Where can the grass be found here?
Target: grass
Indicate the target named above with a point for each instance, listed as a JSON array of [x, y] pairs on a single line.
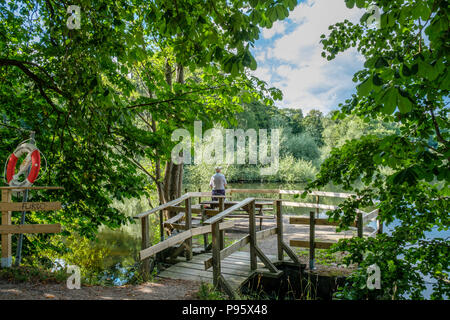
[[208, 292], [32, 274], [322, 256]]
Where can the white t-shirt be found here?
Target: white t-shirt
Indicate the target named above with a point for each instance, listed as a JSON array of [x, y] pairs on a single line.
[[218, 181]]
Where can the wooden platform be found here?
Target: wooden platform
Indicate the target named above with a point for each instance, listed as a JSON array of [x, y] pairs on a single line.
[[235, 268]]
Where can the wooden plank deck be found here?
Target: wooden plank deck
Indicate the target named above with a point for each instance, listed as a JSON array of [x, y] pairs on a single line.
[[235, 268]]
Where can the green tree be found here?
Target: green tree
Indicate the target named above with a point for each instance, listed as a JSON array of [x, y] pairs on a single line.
[[313, 125], [405, 81], [98, 118], [294, 119]]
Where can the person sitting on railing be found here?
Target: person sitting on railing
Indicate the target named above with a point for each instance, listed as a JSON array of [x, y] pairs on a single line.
[[218, 184]]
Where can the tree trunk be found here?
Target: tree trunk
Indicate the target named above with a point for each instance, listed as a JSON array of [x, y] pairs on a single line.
[[173, 174]]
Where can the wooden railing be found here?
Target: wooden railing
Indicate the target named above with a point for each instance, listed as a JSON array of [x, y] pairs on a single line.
[[219, 253], [213, 221], [148, 251]]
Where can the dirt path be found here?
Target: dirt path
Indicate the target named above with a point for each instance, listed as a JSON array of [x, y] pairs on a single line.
[[163, 289]]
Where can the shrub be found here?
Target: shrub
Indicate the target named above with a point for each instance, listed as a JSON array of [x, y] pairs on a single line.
[[293, 170], [300, 146]]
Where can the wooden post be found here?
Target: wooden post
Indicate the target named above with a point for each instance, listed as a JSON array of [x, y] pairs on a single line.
[[359, 223], [145, 244], [252, 233], [188, 215], [379, 224], [312, 245], [317, 209], [199, 198], [279, 230], [205, 236], [215, 232], [6, 259], [260, 220], [161, 225], [222, 232], [379, 227]]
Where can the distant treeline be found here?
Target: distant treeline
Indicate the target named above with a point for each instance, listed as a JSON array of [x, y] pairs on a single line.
[[305, 141]]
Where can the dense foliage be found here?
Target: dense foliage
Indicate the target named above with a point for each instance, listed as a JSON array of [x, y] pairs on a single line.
[[92, 93], [405, 81]]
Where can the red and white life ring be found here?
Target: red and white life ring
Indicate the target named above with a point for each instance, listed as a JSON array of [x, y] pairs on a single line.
[[33, 156]]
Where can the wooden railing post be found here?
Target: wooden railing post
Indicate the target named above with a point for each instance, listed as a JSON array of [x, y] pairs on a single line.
[[199, 198], [317, 209], [161, 225], [204, 218], [279, 231], [215, 233], [359, 224], [379, 225], [252, 233], [6, 259], [144, 245], [312, 244], [222, 232], [188, 216]]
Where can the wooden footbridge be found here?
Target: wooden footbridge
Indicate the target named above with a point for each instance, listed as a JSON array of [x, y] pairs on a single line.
[[227, 267]]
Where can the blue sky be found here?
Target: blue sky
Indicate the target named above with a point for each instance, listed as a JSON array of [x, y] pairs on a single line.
[[289, 57]]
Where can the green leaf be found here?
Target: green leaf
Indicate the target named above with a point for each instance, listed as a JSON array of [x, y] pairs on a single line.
[[377, 81], [360, 3], [350, 3], [389, 100], [415, 69], [423, 10], [253, 64], [445, 85], [365, 87], [404, 104], [381, 63], [292, 4], [406, 72], [427, 71]]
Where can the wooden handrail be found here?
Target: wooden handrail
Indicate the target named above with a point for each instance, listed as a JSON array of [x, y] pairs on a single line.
[[226, 212], [318, 222], [175, 202], [279, 191], [164, 206], [370, 216], [207, 194], [270, 191], [150, 251], [308, 205]]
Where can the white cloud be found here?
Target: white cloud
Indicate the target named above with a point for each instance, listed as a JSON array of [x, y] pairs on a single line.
[[294, 64], [277, 28], [262, 73]]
